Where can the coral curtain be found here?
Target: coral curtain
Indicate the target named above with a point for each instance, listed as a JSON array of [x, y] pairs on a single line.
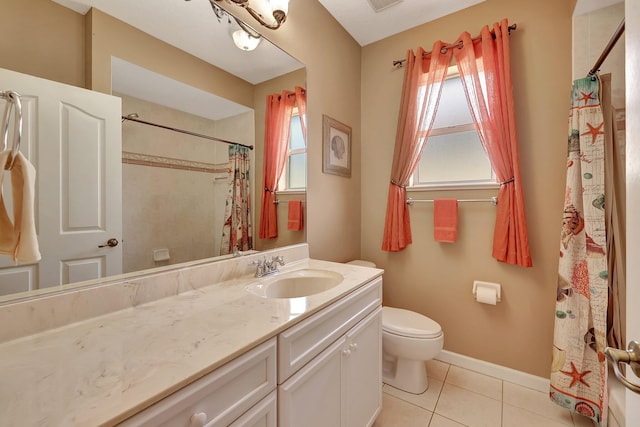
[[423, 78], [485, 71], [236, 230], [579, 368], [276, 139]]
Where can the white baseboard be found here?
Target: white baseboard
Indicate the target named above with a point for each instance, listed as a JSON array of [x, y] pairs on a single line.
[[496, 371], [616, 390]]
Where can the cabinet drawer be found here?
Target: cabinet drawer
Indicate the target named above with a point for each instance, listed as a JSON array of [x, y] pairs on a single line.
[[222, 395], [301, 343], [264, 414]]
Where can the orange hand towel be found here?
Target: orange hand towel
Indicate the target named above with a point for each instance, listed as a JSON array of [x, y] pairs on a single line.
[[445, 220], [295, 215]]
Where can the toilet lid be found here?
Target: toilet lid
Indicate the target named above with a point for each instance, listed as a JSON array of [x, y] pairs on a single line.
[[409, 323]]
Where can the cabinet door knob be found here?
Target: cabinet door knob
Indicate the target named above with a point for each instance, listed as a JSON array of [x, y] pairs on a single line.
[[199, 419], [346, 353], [353, 346]]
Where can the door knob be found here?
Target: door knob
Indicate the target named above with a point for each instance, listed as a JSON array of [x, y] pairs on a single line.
[[110, 243], [631, 357]]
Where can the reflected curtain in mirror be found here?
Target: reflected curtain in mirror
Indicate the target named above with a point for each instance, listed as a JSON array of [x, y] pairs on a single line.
[[279, 112], [236, 231]]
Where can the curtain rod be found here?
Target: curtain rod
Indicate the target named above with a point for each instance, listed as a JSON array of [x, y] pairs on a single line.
[[607, 49], [132, 117], [400, 62]]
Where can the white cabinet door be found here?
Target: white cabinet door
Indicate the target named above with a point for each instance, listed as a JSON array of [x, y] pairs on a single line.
[[263, 414], [313, 396], [73, 137], [363, 371]]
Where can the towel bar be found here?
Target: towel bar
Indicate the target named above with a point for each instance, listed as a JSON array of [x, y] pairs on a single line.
[[493, 200]]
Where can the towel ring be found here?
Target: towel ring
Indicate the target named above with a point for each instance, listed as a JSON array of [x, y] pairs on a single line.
[[13, 98]]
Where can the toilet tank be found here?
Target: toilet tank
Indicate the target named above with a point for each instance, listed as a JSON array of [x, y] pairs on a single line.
[[362, 263]]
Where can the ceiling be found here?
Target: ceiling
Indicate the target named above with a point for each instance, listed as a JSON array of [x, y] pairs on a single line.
[[366, 25], [191, 25]]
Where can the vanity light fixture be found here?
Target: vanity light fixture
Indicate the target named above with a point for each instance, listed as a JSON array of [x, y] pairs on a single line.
[[243, 36], [245, 41], [277, 8]]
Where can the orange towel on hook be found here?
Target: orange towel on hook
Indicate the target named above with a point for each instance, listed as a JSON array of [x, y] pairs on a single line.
[[295, 215], [445, 220]]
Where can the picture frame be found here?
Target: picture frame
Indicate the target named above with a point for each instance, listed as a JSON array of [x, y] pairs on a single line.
[[336, 141]]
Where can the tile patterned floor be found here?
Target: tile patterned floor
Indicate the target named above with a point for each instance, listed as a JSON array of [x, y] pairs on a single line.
[[457, 397]]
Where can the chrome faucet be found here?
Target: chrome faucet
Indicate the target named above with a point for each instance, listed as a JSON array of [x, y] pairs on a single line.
[[265, 267]]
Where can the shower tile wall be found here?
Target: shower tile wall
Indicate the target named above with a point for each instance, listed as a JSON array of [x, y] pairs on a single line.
[[178, 209], [591, 33]]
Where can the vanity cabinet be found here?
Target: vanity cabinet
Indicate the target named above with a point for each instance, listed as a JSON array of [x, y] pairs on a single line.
[[221, 397], [341, 384], [324, 371], [339, 387]]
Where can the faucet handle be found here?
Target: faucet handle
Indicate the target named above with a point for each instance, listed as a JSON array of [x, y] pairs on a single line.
[[278, 259]]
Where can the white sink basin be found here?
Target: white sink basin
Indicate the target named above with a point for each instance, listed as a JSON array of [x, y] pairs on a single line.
[[295, 284]]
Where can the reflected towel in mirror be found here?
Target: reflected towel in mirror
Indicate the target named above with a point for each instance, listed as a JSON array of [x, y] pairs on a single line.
[[295, 215]]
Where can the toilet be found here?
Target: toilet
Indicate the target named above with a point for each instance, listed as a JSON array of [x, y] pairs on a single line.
[[409, 339]]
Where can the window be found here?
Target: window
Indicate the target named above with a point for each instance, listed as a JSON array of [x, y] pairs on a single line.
[[294, 175], [453, 155]]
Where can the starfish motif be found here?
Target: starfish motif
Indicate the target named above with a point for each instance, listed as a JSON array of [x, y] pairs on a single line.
[[576, 376], [586, 97], [594, 131]]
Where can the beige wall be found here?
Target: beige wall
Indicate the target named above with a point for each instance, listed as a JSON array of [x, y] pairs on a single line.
[[49, 44], [591, 33], [436, 279]]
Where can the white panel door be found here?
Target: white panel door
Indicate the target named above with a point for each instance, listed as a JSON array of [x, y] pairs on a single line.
[[73, 138]]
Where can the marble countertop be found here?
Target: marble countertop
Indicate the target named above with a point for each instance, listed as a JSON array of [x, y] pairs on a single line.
[[100, 371]]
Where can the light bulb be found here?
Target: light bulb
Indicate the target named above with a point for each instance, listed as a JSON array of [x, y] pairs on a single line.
[[244, 40]]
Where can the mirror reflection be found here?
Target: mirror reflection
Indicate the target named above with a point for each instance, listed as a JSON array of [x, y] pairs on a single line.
[[175, 188]]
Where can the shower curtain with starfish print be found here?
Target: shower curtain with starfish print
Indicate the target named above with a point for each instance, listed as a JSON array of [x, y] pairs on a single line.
[[236, 230], [579, 368]]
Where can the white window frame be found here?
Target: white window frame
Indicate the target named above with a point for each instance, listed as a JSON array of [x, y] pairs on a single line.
[[491, 183], [283, 184]]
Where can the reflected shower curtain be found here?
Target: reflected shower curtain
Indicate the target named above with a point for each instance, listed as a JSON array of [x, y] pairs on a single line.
[[236, 231], [579, 369]]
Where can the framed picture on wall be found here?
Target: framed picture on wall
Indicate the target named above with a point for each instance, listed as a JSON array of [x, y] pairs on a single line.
[[336, 138]]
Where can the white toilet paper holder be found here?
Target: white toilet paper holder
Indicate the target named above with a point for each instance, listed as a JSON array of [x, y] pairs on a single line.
[[486, 285]]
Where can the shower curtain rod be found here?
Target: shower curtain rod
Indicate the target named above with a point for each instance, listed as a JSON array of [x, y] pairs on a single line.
[[133, 118], [607, 49]]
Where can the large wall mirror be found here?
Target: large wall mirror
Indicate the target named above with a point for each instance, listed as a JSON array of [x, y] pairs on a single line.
[[171, 63]]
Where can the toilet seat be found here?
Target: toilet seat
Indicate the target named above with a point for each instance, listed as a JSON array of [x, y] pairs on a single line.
[[410, 324]]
